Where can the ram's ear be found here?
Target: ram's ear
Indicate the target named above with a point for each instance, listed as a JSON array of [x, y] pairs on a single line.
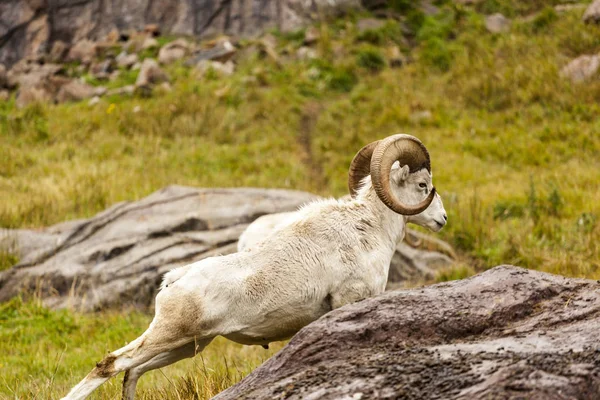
[[401, 175]]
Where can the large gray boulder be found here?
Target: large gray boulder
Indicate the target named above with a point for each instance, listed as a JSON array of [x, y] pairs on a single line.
[[29, 28], [508, 333], [120, 255]]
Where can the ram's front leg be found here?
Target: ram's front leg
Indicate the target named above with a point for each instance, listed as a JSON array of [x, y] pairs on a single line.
[[350, 292]]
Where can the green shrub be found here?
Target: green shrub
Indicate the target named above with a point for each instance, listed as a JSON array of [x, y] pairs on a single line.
[[433, 36], [370, 58], [342, 79], [402, 5], [391, 32], [436, 53], [544, 19]]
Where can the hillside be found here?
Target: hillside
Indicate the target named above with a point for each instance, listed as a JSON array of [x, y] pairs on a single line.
[[513, 144]]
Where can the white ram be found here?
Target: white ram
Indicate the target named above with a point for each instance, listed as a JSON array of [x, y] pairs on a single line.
[[265, 225], [333, 253]]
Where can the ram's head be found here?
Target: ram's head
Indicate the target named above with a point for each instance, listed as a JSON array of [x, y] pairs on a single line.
[[407, 189]]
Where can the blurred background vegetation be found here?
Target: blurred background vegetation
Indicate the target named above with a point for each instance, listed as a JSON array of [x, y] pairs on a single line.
[[514, 148]]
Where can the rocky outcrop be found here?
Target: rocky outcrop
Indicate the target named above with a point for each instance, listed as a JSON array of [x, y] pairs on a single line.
[[581, 69], [29, 28], [497, 23], [592, 13], [508, 333], [120, 255]]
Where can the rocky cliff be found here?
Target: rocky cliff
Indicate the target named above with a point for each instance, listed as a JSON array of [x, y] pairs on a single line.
[[30, 28]]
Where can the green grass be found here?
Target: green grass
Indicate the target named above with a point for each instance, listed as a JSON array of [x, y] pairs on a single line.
[[43, 353], [514, 153]]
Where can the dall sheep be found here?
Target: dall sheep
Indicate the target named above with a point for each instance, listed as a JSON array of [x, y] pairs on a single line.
[[266, 225], [332, 254]]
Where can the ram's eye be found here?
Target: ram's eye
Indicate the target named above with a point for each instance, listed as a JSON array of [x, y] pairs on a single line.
[[423, 185]]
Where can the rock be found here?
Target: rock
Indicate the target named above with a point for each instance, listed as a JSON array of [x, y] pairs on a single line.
[[93, 101], [395, 57], [497, 23], [581, 69], [224, 69], [369, 24], [114, 75], [268, 45], [112, 37], [30, 26], [592, 14], [75, 91], [149, 43], [3, 77], [508, 333], [564, 8], [222, 51], [311, 36], [120, 255], [106, 51], [100, 91], [59, 51], [173, 51], [37, 83], [83, 51], [152, 30], [306, 53], [31, 74], [4, 95], [31, 94], [125, 60], [101, 70], [150, 74], [428, 8], [127, 90], [421, 116], [165, 87]]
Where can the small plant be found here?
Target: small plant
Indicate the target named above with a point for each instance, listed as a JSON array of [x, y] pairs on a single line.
[[435, 52], [342, 79], [544, 19], [433, 35], [371, 59], [554, 202], [7, 260], [402, 5], [508, 209], [390, 32], [533, 204], [587, 222]]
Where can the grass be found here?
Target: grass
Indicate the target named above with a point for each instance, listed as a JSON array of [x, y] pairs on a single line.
[[514, 153], [43, 353]]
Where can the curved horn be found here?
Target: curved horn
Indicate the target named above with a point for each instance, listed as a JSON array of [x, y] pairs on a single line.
[[408, 150], [360, 167]]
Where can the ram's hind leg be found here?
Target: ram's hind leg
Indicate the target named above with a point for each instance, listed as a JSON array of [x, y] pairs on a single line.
[[150, 344], [162, 360]]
